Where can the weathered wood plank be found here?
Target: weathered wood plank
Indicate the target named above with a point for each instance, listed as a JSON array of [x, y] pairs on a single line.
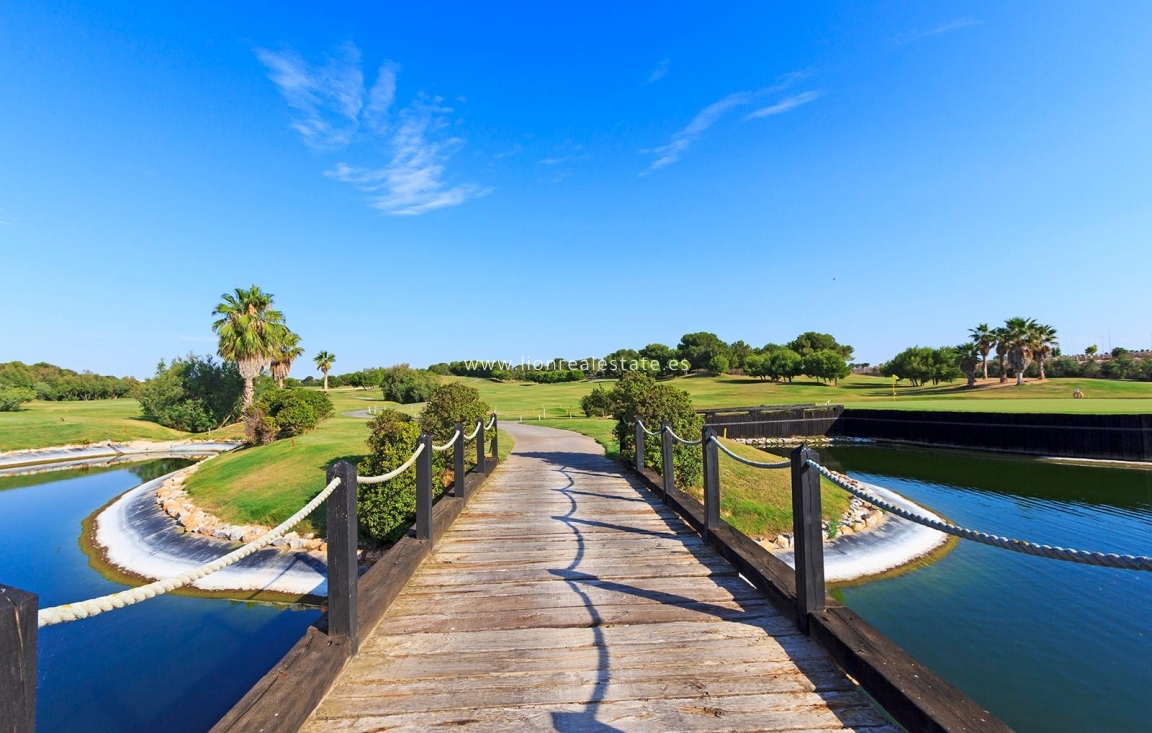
[[18, 633]]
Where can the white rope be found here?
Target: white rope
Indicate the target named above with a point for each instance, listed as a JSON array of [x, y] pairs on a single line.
[[491, 422], [680, 440], [1102, 559], [392, 474], [475, 432], [96, 606], [447, 445], [747, 462], [649, 433]]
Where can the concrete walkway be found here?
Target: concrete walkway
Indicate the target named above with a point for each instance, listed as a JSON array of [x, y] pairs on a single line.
[[565, 598]]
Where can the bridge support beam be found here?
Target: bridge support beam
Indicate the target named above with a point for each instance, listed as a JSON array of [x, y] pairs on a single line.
[[481, 449], [495, 438], [458, 463], [639, 428], [666, 464], [807, 536], [17, 660], [711, 482], [342, 566], [424, 490]]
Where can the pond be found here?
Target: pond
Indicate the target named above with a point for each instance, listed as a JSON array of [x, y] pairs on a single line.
[[1048, 646], [173, 663]]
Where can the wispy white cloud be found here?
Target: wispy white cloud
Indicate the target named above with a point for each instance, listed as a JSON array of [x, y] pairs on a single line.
[[660, 70], [412, 182], [331, 106], [952, 25], [685, 138], [786, 105], [326, 98]]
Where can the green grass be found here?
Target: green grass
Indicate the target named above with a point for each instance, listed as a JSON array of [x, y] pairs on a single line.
[[44, 424], [268, 483], [530, 401]]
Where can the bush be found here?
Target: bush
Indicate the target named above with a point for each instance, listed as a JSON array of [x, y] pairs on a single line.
[[403, 384], [449, 404], [639, 395], [387, 510], [597, 403], [286, 413], [194, 394], [826, 365], [11, 398]]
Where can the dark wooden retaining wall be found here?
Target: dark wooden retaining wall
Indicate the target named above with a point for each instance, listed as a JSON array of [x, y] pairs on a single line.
[[1110, 437], [1107, 437]]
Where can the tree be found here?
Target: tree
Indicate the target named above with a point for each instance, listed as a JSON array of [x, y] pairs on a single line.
[[827, 366], [401, 383], [1020, 336], [784, 364], [1091, 350], [1042, 341], [699, 348], [945, 365], [811, 342], [11, 398], [737, 354], [324, 362], [638, 395], [756, 365], [984, 338], [664, 356], [970, 356], [290, 351], [718, 364], [1001, 346], [250, 333], [914, 364], [193, 394]]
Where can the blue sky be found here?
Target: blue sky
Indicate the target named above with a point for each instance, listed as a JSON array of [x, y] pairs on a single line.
[[421, 182]]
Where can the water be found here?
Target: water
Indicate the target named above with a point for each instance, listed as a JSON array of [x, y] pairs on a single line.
[[172, 663], [1048, 646]]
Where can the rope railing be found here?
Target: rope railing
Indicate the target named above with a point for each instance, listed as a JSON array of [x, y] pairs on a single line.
[[447, 445], [395, 472], [649, 433], [475, 431], [1100, 559], [491, 422], [746, 461], [96, 606], [681, 441]]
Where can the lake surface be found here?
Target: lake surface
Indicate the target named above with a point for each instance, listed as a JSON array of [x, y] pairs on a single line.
[[172, 663], [1048, 646]]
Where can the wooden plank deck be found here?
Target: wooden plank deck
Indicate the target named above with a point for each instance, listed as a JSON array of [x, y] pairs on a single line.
[[565, 599]]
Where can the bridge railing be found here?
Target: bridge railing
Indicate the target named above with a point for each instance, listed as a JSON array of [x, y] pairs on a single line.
[[915, 696], [21, 617]]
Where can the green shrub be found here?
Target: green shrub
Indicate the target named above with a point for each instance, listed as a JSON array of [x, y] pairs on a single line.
[[11, 398], [194, 394], [639, 395], [597, 403], [387, 510], [449, 404], [718, 364], [401, 383], [286, 413]]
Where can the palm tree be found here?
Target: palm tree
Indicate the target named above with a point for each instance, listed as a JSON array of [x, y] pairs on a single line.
[[324, 362], [1001, 345], [290, 351], [984, 339], [250, 333], [1042, 339], [969, 359], [1021, 334]]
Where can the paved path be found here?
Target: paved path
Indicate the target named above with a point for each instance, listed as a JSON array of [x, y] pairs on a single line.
[[565, 599]]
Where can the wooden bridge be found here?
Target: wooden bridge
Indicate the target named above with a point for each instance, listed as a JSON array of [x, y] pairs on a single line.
[[560, 591]]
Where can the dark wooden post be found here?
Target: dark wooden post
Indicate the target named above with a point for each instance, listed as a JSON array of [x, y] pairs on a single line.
[[424, 490], [807, 536], [458, 463], [495, 438], [342, 570], [666, 465], [639, 445], [711, 481], [17, 660], [481, 448]]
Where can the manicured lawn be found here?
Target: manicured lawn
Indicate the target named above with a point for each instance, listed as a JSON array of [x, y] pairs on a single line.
[[267, 484], [43, 424], [515, 400]]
